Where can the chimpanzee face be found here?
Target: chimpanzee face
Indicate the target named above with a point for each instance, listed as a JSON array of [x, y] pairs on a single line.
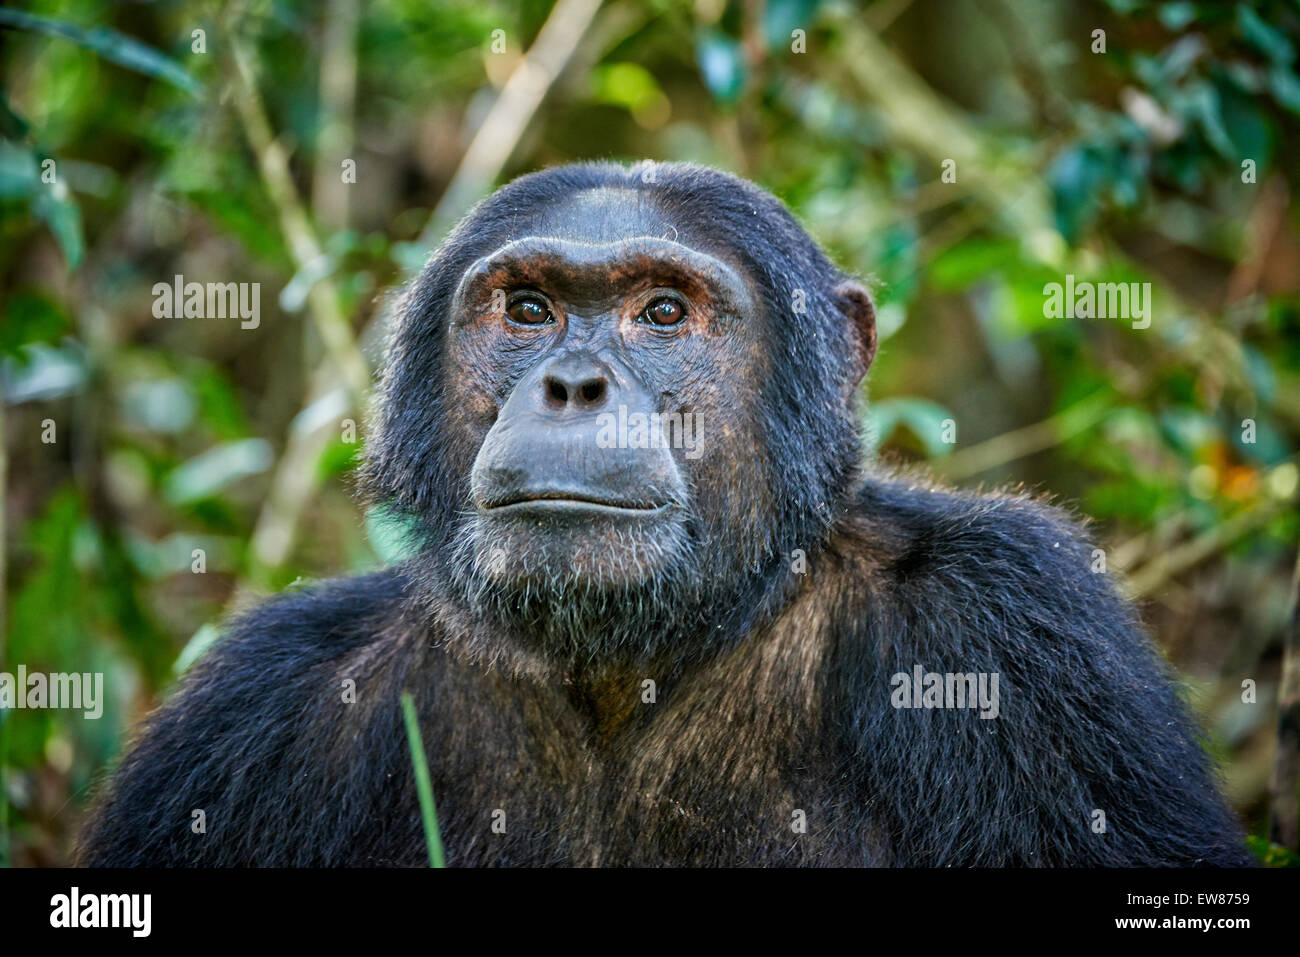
[[610, 377], [612, 391]]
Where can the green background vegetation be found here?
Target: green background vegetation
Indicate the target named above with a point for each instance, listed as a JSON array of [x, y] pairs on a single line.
[[224, 165]]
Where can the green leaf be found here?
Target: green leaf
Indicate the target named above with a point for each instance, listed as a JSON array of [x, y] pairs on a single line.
[[1272, 855], [1076, 178], [196, 647], [56, 207], [1258, 369], [1176, 16], [392, 535], [1187, 430], [722, 65], [896, 259], [972, 260], [1245, 125], [628, 85], [219, 407], [782, 17], [1207, 108], [336, 458], [47, 615], [207, 474], [12, 126], [921, 417], [109, 44], [1177, 61], [1264, 37], [41, 372], [19, 175], [1285, 87], [160, 405], [29, 318]]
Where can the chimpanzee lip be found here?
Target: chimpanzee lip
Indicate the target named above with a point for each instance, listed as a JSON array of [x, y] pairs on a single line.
[[570, 501]]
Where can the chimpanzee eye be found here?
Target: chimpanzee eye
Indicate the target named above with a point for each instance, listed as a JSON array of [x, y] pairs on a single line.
[[530, 311], [664, 312]]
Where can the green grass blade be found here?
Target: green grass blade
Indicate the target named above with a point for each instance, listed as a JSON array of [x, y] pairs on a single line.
[[423, 786]]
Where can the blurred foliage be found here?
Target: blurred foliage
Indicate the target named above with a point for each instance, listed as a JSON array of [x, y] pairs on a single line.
[[1167, 158]]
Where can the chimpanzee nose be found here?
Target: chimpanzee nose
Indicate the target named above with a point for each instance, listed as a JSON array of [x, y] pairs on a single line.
[[576, 384]]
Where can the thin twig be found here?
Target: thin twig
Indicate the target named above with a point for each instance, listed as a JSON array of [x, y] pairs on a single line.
[[881, 16], [1010, 446], [1262, 230], [323, 299], [338, 92], [1169, 564], [293, 484]]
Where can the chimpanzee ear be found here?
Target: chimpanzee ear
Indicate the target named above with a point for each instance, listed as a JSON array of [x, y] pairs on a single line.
[[855, 303]]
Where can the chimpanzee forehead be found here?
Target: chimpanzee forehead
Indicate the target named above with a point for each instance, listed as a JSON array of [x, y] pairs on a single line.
[[605, 214]]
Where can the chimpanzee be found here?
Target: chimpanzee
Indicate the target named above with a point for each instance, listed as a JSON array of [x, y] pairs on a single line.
[[658, 611]]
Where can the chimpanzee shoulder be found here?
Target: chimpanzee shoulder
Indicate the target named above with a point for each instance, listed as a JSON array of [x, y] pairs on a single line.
[[249, 725], [1093, 756]]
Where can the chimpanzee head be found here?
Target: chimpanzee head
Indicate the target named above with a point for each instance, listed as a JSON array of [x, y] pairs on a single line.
[[614, 394]]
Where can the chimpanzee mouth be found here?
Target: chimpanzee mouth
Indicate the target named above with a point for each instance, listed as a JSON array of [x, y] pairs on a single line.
[[565, 501]]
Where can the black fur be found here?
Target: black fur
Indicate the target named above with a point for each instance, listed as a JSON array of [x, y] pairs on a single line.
[[773, 686]]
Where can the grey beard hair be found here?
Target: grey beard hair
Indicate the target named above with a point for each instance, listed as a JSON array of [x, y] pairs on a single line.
[[611, 614], [615, 611]]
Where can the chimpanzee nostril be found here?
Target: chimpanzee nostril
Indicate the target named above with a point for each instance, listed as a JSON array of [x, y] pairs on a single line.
[[556, 394], [584, 391]]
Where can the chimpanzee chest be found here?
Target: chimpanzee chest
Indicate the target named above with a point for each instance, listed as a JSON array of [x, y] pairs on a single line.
[[686, 774], [642, 807]]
